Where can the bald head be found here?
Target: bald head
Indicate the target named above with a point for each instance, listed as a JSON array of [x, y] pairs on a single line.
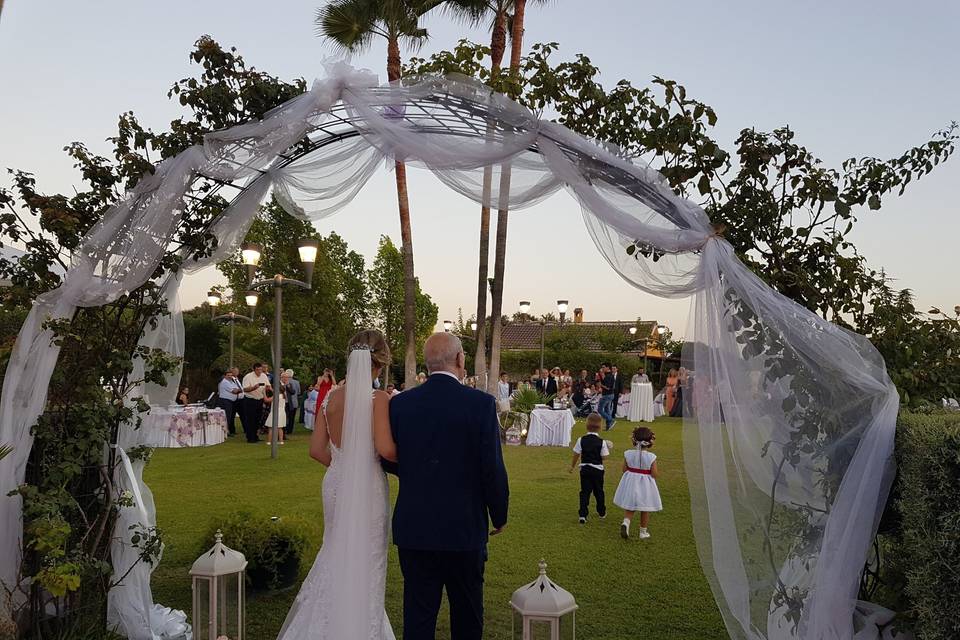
[[444, 352]]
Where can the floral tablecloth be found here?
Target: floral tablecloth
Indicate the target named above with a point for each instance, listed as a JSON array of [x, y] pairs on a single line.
[[184, 427]]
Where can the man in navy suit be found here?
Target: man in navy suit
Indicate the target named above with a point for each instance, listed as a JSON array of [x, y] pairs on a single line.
[[453, 487]]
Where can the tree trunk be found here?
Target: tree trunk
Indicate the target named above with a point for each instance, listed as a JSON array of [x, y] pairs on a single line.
[[519, 7], [406, 238], [498, 44]]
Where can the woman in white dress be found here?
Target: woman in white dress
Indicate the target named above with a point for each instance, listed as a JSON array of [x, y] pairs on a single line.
[[342, 596], [637, 490]]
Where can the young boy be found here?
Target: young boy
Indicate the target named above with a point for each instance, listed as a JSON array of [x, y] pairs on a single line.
[[590, 451]]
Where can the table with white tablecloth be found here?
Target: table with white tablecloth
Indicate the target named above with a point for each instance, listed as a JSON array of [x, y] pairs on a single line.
[[190, 426], [641, 402], [550, 428]]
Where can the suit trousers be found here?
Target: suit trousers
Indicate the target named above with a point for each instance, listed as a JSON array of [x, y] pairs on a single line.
[[591, 482], [250, 413], [230, 408], [425, 575], [291, 419]]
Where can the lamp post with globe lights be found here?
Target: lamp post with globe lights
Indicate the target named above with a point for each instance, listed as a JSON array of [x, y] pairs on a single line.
[[250, 254], [562, 306]]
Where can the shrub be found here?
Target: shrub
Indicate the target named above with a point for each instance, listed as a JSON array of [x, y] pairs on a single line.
[[273, 548], [925, 554]]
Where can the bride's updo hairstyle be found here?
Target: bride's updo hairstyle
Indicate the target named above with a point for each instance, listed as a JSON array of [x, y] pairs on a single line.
[[373, 341]]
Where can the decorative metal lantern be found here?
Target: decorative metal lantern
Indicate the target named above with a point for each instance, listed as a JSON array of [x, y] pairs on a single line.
[[219, 593], [542, 610]]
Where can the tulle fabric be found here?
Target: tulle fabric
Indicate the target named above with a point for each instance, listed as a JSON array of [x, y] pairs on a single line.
[[342, 596], [790, 424]]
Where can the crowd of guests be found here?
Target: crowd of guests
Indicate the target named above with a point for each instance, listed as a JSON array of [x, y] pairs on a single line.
[[604, 392]]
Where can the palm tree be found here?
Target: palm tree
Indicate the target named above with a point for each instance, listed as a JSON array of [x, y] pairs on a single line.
[[496, 311], [353, 25], [498, 14]]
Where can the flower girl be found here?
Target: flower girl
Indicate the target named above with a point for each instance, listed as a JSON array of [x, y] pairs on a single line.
[[638, 486]]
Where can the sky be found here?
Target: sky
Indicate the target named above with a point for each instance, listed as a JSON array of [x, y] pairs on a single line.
[[851, 78]]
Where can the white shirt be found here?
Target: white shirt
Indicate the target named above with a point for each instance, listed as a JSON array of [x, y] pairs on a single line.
[[226, 388], [252, 379], [504, 388], [446, 373], [604, 450]]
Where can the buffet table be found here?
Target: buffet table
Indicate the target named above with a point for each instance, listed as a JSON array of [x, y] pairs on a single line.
[[641, 402], [189, 426], [550, 428]]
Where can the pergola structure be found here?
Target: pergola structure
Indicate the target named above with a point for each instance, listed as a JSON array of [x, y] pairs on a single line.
[[789, 448]]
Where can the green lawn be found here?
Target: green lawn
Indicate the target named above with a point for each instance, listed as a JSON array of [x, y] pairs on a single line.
[[625, 589]]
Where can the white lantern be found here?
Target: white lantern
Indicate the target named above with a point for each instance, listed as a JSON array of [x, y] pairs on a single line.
[[542, 610], [219, 593]]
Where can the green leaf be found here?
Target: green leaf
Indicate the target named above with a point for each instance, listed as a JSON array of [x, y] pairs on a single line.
[[874, 202]]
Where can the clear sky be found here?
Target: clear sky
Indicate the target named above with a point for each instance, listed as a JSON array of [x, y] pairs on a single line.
[[857, 77]]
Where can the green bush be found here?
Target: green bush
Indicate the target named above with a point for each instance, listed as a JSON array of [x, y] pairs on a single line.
[[925, 550], [520, 364], [273, 548]]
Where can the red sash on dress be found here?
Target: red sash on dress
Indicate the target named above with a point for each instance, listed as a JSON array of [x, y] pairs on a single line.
[[645, 472]]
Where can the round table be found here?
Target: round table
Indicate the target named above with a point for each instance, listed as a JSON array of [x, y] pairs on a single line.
[[641, 402], [176, 427], [550, 428]]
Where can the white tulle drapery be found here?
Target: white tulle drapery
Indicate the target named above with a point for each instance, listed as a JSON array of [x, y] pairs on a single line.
[[789, 419]]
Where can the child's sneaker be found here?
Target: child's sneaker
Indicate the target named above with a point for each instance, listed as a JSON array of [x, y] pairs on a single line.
[[583, 521], [603, 517], [643, 534], [625, 530]]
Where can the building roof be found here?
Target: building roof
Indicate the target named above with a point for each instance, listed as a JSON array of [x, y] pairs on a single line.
[[591, 336]]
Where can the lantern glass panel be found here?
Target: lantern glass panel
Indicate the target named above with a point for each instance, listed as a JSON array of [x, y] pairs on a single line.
[[201, 608], [567, 623], [516, 628], [228, 605], [540, 630]]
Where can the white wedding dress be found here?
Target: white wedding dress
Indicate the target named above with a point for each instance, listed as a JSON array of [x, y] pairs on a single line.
[[342, 596]]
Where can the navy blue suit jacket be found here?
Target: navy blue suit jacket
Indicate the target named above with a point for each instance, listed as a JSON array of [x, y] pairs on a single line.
[[452, 477]]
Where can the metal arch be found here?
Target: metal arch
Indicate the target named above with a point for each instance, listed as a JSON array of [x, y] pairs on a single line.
[[451, 115]]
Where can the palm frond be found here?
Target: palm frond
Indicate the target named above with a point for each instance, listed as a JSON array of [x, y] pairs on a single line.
[[471, 12], [349, 25]]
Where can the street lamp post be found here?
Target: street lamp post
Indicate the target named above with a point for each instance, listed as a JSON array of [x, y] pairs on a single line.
[[562, 306], [307, 248], [232, 318]]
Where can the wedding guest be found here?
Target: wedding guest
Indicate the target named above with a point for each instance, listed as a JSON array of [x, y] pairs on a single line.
[[682, 384], [309, 407], [269, 398], [324, 383], [392, 390], [567, 379], [503, 393], [640, 377], [671, 392], [637, 490], [229, 393], [421, 378], [255, 384], [606, 407], [291, 391], [589, 453], [183, 396], [617, 386], [547, 384]]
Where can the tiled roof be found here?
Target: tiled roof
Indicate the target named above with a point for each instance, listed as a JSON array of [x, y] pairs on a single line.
[[519, 336]]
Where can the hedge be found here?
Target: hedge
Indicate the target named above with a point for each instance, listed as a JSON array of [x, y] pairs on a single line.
[[522, 363], [926, 549]]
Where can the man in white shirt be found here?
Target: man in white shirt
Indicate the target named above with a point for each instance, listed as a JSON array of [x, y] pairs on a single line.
[[503, 393], [255, 385], [229, 393]]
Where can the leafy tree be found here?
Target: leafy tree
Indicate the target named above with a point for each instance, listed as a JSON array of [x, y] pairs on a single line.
[[70, 502], [787, 215], [317, 324], [385, 282], [352, 25]]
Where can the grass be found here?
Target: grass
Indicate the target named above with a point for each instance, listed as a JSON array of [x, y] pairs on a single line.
[[625, 589]]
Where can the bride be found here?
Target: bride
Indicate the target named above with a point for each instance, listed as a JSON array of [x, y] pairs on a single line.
[[342, 597]]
